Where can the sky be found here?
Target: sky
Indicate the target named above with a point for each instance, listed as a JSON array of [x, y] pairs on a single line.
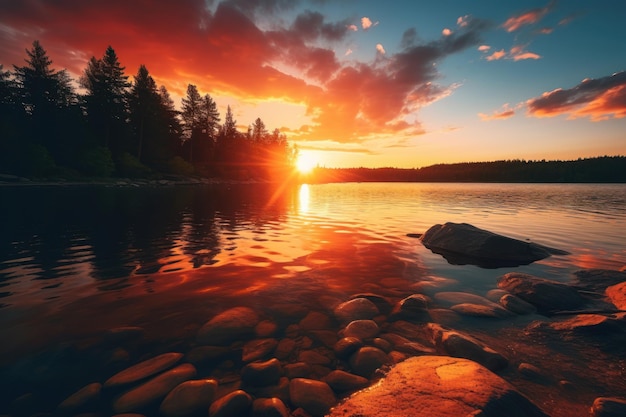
[[362, 83]]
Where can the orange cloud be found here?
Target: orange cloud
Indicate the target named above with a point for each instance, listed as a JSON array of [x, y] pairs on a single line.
[[497, 115], [527, 18], [225, 53], [517, 53], [446, 32], [497, 55], [484, 48], [599, 99], [367, 23], [380, 48]]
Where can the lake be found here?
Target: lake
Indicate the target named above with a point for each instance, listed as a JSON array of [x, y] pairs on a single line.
[[78, 260]]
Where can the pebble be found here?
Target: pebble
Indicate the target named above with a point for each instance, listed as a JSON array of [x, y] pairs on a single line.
[[189, 397], [269, 407], [298, 370], [347, 346], [313, 357], [517, 305], [361, 329], [203, 355], [479, 310], [89, 394], [261, 373], [367, 360], [228, 326], [356, 309], [284, 348], [258, 349], [235, 404], [315, 397], [153, 390], [341, 381], [143, 370], [266, 328]]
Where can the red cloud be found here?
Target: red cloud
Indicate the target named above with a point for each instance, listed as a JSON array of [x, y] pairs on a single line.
[[224, 52], [598, 99]]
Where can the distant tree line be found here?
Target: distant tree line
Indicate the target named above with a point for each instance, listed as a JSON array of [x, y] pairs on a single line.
[[117, 127], [606, 169]]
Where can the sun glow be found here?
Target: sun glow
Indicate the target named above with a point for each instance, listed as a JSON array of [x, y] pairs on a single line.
[[305, 162]]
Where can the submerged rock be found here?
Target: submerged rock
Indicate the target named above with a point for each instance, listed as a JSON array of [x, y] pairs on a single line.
[[144, 370], [439, 386], [462, 243], [87, 395], [228, 326], [237, 403], [547, 295], [617, 295], [463, 346], [341, 381], [315, 397], [153, 390], [269, 407], [356, 309], [189, 398]]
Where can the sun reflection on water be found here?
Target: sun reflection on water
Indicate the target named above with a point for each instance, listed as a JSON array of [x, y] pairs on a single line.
[[304, 197]]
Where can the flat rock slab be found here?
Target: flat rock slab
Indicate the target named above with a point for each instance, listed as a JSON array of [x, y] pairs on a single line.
[[462, 243], [439, 386]]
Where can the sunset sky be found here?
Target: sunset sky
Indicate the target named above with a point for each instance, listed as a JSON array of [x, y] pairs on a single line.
[[367, 83]]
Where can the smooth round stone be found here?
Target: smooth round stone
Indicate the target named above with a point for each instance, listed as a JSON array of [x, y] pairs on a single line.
[[347, 346], [341, 381], [383, 304], [413, 306], [284, 348], [261, 373], [517, 305], [266, 328], [154, 389], [237, 403], [367, 360], [298, 370], [190, 397], [356, 309], [382, 344], [269, 407], [143, 370], [258, 349], [316, 321], [495, 295], [314, 397], [81, 398], [228, 326], [547, 295], [362, 329]]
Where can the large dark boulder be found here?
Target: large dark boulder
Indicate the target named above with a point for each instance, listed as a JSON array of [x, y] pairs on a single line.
[[462, 243]]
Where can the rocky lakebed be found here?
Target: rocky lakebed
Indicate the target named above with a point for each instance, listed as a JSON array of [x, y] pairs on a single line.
[[528, 347]]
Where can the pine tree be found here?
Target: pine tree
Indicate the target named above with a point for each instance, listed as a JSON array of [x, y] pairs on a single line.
[[192, 118], [106, 87], [143, 102]]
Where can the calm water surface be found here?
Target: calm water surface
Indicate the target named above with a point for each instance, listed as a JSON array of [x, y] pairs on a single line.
[[77, 259]]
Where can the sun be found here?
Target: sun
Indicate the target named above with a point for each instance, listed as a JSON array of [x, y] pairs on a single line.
[[305, 163]]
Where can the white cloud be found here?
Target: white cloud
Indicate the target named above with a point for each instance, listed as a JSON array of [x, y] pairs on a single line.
[[348, 52], [380, 48], [353, 28], [462, 20], [367, 23]]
